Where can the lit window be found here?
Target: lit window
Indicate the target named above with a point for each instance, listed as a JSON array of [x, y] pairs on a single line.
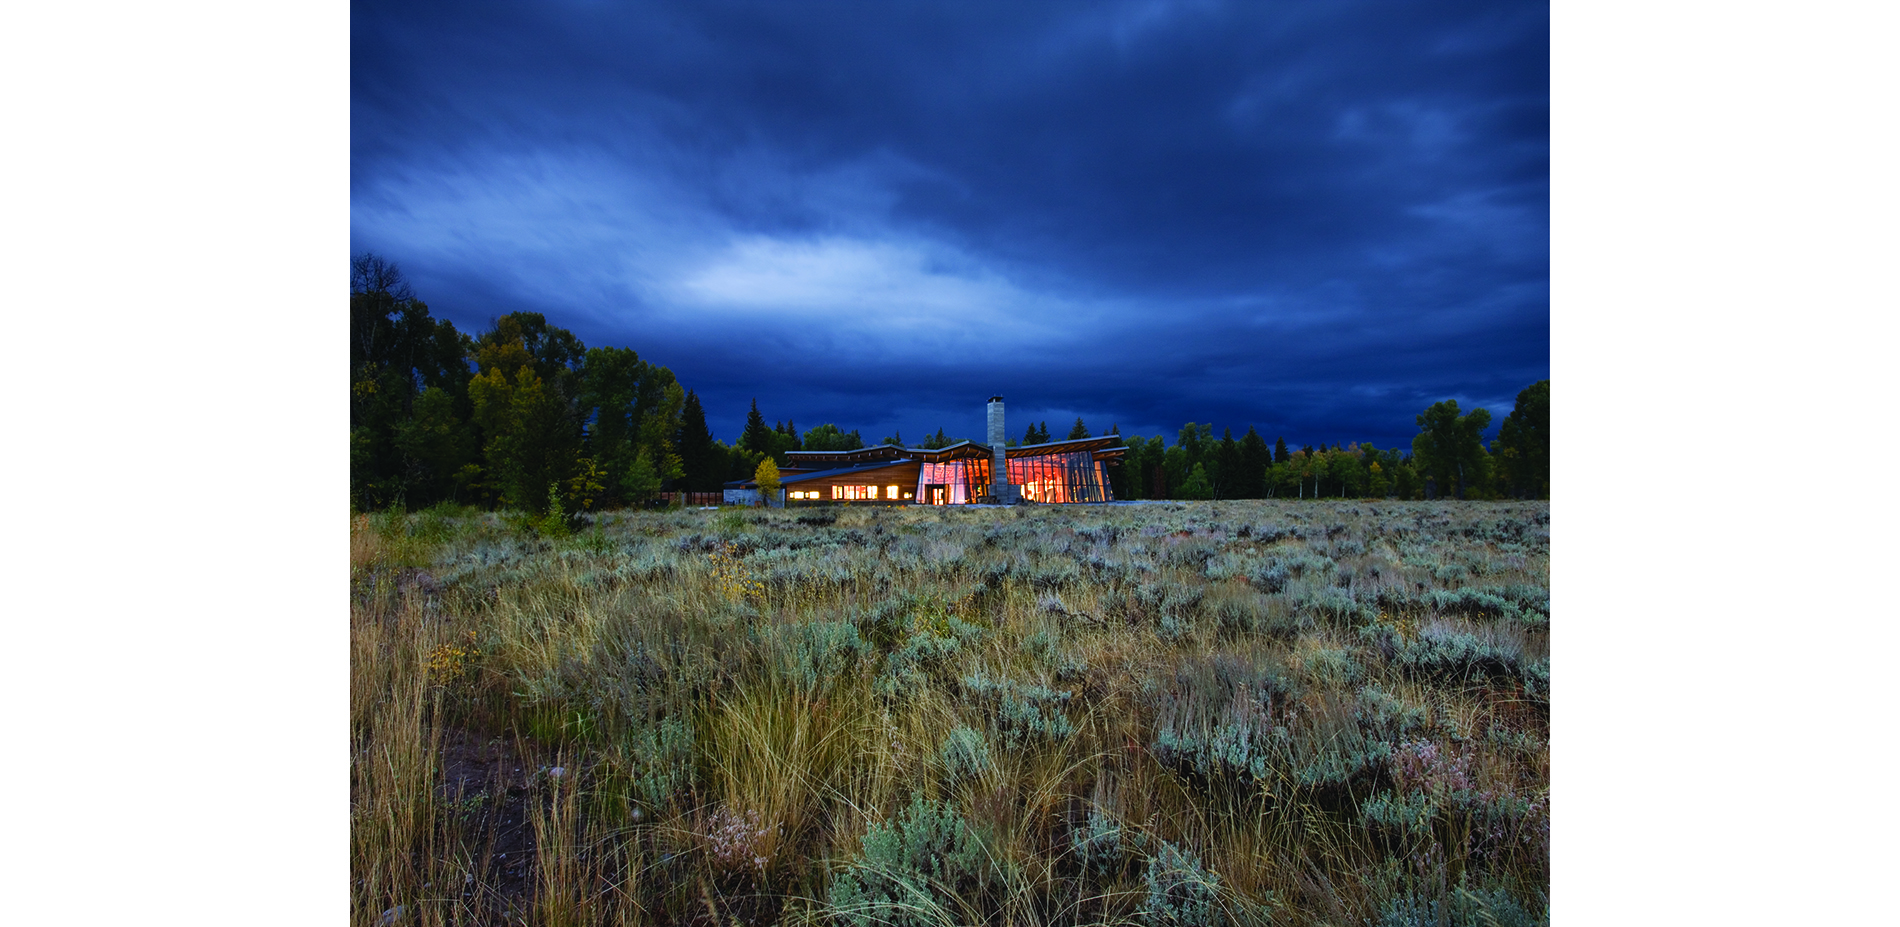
[[890, 492]]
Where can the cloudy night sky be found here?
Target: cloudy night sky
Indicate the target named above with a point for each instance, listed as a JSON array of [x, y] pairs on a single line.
[[1315, 218]]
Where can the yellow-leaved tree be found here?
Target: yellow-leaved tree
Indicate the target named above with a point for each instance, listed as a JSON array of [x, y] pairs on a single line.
[[767, 478]]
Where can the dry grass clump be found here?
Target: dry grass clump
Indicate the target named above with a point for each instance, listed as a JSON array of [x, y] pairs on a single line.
[[1190, 713]]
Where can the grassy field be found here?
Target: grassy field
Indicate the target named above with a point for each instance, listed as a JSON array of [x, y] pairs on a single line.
[[1177, 713]]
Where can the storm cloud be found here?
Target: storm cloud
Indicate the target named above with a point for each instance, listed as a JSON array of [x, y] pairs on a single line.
[[1316, 218]]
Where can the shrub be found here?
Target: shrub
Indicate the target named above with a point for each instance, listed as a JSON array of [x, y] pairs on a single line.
[[1338, 605], [1148, 601], [1235, 610], [1237, 751], [1099, 847], [964, 755], [1410, 814], [913, 871], [1180, 892], [886, 624], [1172, 630], [1044, 648], [1388, 717], [1332, 666], [1271, 576], [1330, 768], [905, 669], [658, 761], [810, 655], [1024, 714], [1464, 908], [1450, 655]]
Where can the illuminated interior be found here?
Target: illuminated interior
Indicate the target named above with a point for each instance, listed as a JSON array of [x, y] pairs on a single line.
[[1071, 477], [953, 482], [1055, 472]]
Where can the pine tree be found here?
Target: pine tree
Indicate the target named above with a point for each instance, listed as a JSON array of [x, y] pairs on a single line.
[[1251, 481], [757, 436], [695, 444], [1080, 430], [1280, 454]]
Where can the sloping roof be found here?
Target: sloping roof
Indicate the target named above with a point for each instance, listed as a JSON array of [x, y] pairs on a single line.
[[1104, 446], [822, 474], [1109, 443]]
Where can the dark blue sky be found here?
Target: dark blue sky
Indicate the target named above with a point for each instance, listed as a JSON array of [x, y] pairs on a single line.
[[1317, 218]]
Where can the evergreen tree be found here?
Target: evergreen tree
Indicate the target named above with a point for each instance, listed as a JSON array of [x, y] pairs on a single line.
[[1280, 454], [757, 436], [1080, 430], [1223, 470], [703, 469], [1253, 460]]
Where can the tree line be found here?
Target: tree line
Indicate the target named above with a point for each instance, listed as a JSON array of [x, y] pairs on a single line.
[[525, 416], [1449, 458], [521, 416]]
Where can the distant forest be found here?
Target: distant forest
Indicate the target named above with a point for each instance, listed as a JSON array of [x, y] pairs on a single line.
[[524, 416]]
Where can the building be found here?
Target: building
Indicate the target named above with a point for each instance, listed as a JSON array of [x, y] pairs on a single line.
[[1059, 471]]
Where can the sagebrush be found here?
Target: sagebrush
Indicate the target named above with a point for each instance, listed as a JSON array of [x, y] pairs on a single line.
[[1211, 712]]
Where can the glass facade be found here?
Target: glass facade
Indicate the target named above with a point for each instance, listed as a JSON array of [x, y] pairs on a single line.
[[1071, 477], [953, 482]]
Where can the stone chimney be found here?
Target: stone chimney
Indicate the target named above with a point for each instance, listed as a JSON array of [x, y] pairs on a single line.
[[999, 469]]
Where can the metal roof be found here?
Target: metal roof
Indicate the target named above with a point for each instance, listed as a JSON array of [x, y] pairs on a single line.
[[1105, 443], [871, 467]]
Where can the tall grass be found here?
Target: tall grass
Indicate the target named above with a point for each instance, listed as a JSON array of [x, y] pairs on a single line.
[[1208, 713]]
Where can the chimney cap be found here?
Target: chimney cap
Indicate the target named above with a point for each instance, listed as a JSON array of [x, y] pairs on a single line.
[[996, 399]]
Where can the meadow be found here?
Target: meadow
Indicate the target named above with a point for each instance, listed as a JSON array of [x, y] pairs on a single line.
[[1194, 714]]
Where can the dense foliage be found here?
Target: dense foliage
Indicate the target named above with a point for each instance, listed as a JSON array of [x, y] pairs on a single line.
[[524, 416]]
